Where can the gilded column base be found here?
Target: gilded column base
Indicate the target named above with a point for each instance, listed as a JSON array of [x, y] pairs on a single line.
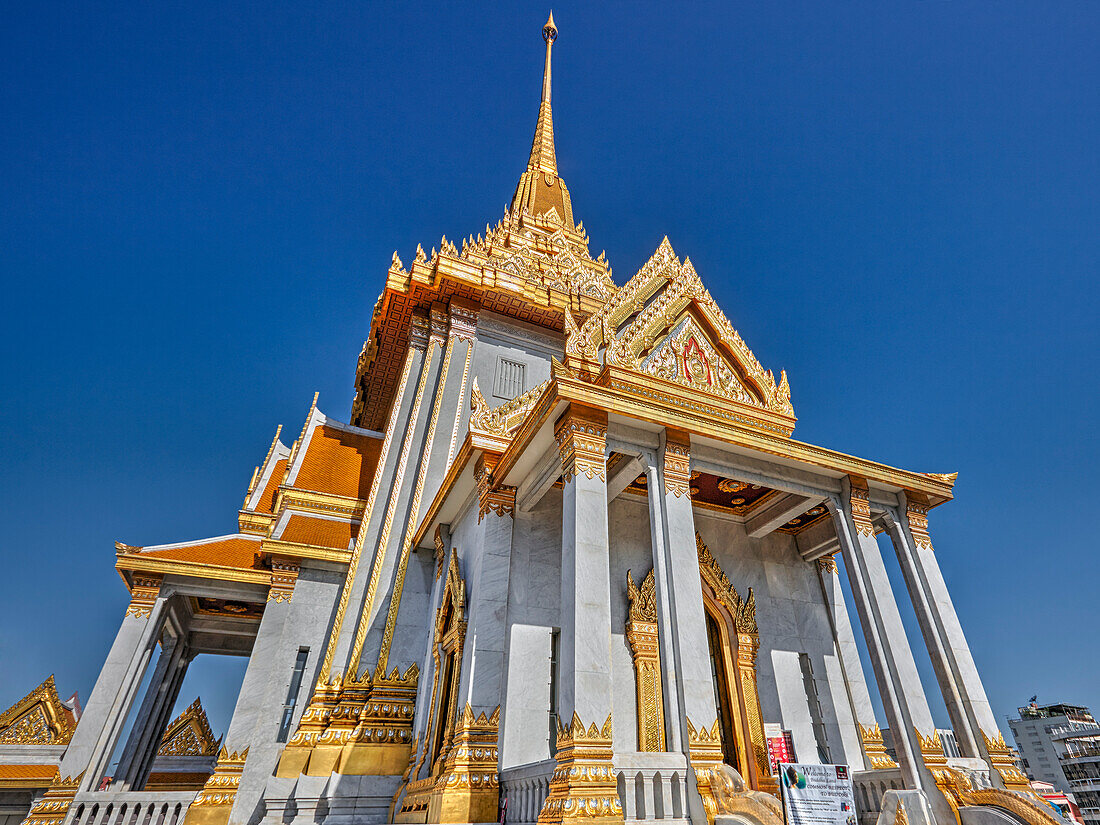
[[466, 787], [53, 807], [380, 743], [295, 756], [1001, 761], [705, 750], [583, 786], [357, 727], [215, 800], [343, 721], [874, 749]]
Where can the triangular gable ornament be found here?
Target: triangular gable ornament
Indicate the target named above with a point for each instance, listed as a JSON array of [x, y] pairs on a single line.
[[39, 718]]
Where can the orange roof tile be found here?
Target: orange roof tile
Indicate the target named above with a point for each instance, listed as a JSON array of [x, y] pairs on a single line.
[[339, 462], [267, 500], [235, 551], [28, 772], [320, 532]]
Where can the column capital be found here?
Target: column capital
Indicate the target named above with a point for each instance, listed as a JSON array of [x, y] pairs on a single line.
[[464, 316], [916, 514], [581, 434], [859, 503], [143, 595], [284, 575], [437, 324], [827, 564], [419, 331], [677, 463], [492, 498]]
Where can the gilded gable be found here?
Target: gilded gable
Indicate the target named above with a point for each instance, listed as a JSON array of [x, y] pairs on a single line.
[[189, 734], [39, 718], [664, 323]]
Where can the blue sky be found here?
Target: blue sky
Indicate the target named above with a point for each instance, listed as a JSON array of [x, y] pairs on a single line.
[[897, 203]]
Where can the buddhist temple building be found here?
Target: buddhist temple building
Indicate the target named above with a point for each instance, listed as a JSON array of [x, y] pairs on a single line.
[[566, 561]]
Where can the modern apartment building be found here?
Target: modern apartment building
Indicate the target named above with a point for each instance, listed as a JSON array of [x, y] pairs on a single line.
[[1060, 744]]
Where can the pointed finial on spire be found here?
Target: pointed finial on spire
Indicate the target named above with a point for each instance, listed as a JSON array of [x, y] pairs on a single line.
[[540, 190], [549, 34], [542, 148]]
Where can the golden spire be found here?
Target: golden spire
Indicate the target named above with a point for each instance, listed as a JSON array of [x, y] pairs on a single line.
[[540, 189], [542, 147]]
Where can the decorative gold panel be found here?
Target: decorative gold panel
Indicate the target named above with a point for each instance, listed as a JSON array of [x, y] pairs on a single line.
[[189, 734], [641, 632], [38, 718]]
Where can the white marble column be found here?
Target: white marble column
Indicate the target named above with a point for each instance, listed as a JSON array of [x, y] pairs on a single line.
[[155, 712], [116, 687], [584, 684], [487, 574], [899, 684], [679, 583], [680, 580], [258, 712], [963, 692], [859, 697]]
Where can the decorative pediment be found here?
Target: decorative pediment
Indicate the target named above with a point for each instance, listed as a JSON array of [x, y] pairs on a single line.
[[39, 718], [688, 356], [189, 734], [665, 323]]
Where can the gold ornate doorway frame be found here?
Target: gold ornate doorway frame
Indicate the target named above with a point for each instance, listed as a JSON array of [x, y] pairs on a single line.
[[739, 641]]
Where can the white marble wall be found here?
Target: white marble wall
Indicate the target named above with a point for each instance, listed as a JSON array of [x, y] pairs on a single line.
[[534, 605], [499, 337]]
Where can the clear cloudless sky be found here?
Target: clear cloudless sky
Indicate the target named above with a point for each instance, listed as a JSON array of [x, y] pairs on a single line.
[[897, 202]]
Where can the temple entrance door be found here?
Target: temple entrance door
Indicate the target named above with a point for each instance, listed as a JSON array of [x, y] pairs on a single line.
[[719, 678], [723, 657]]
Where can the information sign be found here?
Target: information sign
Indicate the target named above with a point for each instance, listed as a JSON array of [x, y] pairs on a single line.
[[817, 794]]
